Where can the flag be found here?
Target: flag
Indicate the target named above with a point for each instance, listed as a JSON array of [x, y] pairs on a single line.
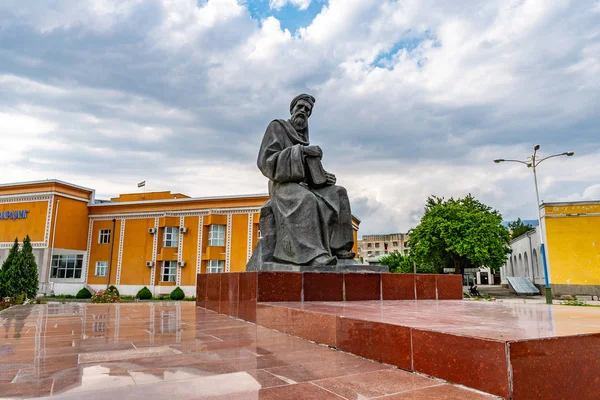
[[142, 184]]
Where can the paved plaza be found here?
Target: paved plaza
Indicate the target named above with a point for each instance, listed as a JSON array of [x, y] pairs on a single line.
[[173, 350]]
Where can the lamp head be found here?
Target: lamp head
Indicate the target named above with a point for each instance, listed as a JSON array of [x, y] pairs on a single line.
[[537, 147], [498, 161], [570, 153]]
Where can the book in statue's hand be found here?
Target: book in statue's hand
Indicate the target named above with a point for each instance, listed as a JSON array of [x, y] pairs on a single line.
[[316, 173]]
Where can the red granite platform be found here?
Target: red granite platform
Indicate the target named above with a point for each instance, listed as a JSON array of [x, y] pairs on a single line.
[[517, 351], [237, 293]]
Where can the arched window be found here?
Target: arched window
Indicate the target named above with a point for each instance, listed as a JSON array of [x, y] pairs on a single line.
[[521, 265], [525, 264], [511, 269]]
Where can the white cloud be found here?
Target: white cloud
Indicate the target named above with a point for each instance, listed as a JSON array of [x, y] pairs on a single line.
[[413, 98], [278, 4]]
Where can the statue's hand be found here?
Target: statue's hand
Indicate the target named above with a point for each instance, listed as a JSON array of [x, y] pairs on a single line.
[[331, 179], [313, 151]]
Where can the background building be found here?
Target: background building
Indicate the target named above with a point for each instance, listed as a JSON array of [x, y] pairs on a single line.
[[160, 240], [377, 245], [572, 232]]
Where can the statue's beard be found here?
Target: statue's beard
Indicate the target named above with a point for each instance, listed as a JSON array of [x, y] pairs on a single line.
[[299, 121]]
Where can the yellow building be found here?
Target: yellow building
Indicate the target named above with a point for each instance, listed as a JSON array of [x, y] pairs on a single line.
[[573, 246], [572, 237], [160, 240]]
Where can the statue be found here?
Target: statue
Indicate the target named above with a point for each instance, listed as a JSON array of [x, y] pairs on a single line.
[[307, 222]]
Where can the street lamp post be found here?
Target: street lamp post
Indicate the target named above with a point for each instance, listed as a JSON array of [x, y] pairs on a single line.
[[533, 162]]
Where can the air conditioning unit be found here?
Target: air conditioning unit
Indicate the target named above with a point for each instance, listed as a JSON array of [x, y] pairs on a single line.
[[152, 231], [149, 263], [181, 263], [183, 230]]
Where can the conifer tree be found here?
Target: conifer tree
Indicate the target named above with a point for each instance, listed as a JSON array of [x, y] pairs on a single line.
[[7, 270], [29, 268]]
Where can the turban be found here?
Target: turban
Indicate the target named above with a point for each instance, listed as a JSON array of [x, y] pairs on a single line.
[[303, 96]]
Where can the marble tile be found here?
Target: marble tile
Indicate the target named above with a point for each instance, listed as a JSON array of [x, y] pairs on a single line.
[[426, 286], [247, 295], [303, 391], [325, 369], [318, 327], [398, 286], [323, 286], [267, 380], [378, 341], [213, 291], [449, 287], [558, 368], [440, 392], [200, 288], [375, 384], [279, 286], [362, 286], [476, 363], [230, 284]]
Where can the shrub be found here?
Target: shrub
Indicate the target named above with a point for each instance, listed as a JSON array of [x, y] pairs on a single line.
[[177, 294], [106, 296], [83, 294], [144, 294], [113, 288]]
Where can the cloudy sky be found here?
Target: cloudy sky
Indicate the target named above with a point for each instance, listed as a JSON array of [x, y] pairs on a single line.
[[414, 97]]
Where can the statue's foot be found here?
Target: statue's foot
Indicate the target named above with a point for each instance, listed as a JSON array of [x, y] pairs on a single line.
[[324, 260], [345, 255]]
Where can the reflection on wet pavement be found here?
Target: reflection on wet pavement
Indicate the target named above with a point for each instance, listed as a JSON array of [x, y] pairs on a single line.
[[175, 350]]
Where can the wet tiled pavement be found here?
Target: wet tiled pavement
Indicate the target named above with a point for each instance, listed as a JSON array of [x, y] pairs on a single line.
[[178, 351]]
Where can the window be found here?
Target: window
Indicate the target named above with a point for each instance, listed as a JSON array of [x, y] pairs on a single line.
[[359, 249], [171, 236], [104, 236], [169, 271], [101, 267], [377, 253], [368, 245], [214, 266], [395, 244], [405, 244], [66, 266], [216, 235], [376, 245]]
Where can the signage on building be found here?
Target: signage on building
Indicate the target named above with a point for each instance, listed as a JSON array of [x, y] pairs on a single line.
[[17, 214]]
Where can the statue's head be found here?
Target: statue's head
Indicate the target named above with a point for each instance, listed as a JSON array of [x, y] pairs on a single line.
[[300, 110]]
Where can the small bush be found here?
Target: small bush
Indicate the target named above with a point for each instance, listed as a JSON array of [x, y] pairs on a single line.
[[113, 289], [106, 296], [144, 294], [83, 294], [177, 294]]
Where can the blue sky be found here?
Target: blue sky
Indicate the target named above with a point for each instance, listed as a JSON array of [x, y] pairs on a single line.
[[414, 98]]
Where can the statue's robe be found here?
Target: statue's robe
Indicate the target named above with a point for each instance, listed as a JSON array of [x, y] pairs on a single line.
[[310, 221]]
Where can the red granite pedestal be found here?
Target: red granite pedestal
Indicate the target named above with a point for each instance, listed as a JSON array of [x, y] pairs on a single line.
[[515, 351]]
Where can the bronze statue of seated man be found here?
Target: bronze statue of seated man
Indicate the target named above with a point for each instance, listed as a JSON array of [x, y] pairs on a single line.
[[309, 213]]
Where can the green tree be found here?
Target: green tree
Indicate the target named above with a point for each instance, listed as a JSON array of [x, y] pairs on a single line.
[[459, 233], [7, 270], [518, 228], [29, 269], [404, 264]]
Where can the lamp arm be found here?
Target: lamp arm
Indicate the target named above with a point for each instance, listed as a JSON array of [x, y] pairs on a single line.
[[545, 158], [519, 161]]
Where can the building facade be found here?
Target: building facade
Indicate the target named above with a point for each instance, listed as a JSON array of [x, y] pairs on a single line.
[[377, 245], [572, 233], [160, 240]]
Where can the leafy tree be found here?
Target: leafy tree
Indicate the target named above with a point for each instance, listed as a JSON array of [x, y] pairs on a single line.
[[7, 270], [177, 294], [29, 269], [144, 294], [404, 264], [459, 233], [518, 228]]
